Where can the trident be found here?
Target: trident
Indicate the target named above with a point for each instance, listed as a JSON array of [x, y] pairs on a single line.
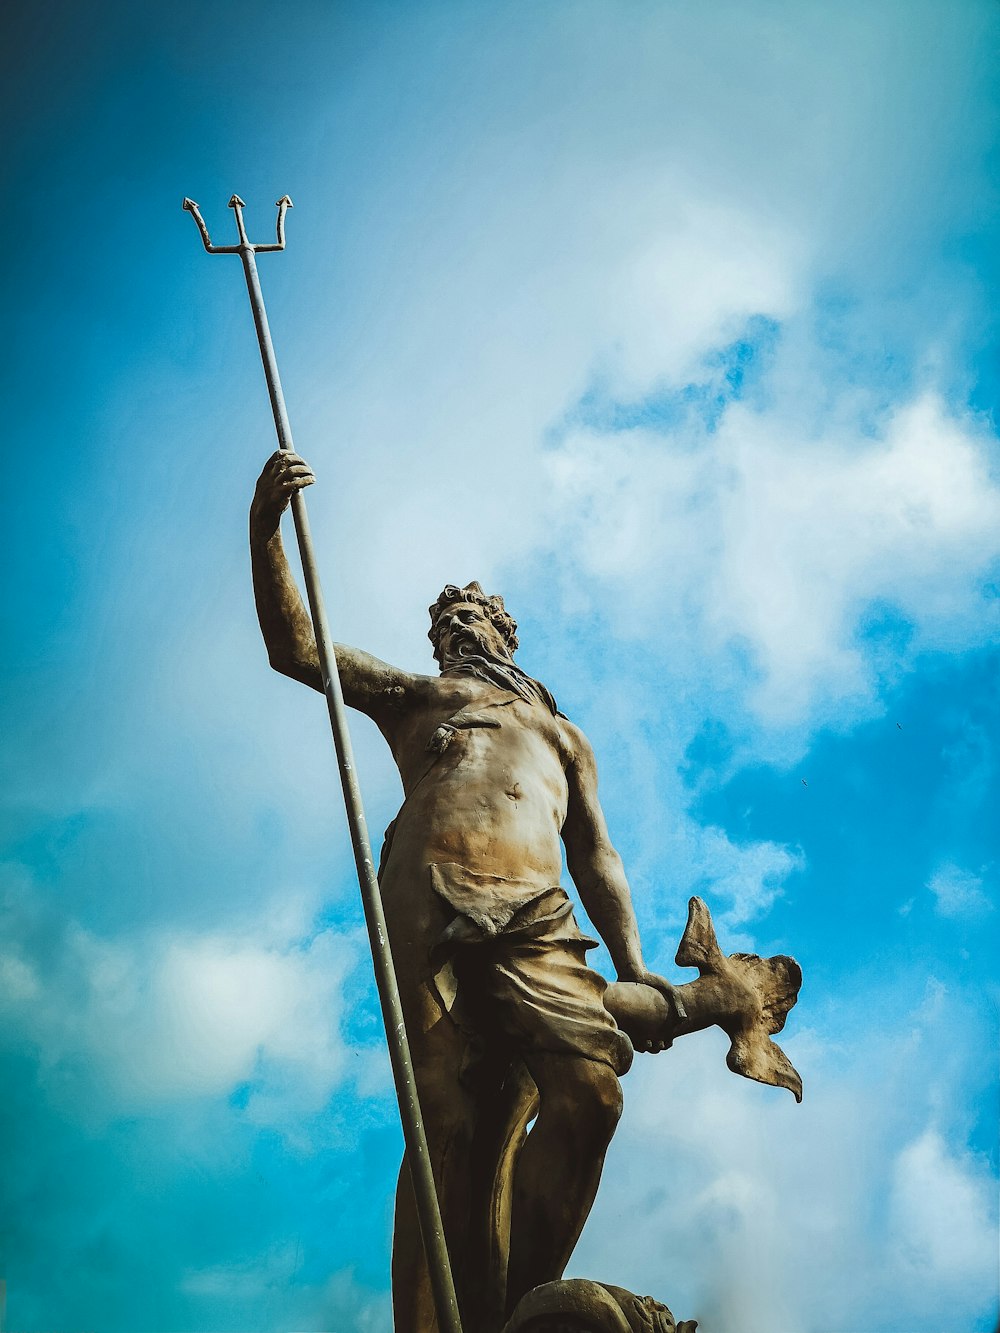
[[428, 1208]]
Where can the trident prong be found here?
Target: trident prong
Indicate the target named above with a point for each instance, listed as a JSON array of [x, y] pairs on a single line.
[[417, 1154], [283, 205], [191, 207], [237, 205]]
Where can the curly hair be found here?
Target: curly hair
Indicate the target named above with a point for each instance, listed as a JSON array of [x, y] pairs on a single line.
[[472, 592]]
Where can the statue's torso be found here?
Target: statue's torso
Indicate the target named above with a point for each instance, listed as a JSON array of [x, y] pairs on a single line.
[[493, 799]]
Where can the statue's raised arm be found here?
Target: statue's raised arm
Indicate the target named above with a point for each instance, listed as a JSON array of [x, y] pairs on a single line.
[[371, 685]]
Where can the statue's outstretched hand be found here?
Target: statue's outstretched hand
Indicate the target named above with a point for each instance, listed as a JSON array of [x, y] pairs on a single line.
[[675, 1008], [284, 473]]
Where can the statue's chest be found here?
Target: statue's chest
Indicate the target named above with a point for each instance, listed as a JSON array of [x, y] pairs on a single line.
[[493, 733]]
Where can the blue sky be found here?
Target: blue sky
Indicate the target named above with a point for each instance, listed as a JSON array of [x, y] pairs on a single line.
[[677, 325]]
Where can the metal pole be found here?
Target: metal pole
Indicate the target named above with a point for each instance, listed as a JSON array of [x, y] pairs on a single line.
[[418, 1156]]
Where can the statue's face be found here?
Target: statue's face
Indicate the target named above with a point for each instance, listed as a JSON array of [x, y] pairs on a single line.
[[465, 630]]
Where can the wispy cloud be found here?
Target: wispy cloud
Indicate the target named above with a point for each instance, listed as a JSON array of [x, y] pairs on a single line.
[[958, 893], [762, 552]]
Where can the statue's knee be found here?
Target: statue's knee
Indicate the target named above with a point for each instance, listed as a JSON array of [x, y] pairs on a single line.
[[593, 1099], [608, 1094]]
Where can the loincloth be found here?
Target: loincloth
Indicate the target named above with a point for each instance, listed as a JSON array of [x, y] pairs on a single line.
[[511, 967]]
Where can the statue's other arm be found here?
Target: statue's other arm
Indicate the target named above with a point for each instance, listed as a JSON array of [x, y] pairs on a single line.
[[595, 866], [598, 873], [369, 684]]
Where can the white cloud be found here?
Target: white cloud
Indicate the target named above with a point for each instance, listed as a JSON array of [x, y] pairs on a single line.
[[18, 980], [745, 878], [699, 270], [958, 893], [943, 1215], [254, 1278], [160, 1016], [268, 1287], [757, 537]]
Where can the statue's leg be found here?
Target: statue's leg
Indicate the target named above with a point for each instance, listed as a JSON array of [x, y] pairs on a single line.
[[480, 1252], [439, 1050], [507, 1101], [559, 1168], [412, 1302]]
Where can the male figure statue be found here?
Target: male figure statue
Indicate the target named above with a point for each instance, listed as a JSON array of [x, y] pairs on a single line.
[[505, 1019]]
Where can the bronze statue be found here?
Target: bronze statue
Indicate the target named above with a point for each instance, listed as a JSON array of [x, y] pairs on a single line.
[[507, 1023]]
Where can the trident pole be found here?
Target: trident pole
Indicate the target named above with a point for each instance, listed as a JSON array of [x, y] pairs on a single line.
[[418, 1157]]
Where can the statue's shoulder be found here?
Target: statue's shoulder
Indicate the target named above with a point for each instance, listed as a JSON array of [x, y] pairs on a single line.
[[431, 695], [576, 747]]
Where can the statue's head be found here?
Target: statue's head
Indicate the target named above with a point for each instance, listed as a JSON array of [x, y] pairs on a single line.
[[465, 622]]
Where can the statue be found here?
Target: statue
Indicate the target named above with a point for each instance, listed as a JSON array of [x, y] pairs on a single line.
[[508, 1025]]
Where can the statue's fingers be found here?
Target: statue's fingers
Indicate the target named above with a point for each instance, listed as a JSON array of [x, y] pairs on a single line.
[[673, 999], [293, 459], [282, 460], [670, 993]]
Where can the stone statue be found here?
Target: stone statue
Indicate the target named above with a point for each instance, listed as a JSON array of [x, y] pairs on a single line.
[[508, 1025]]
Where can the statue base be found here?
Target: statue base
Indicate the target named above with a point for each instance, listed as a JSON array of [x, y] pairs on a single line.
[[580, 1306]]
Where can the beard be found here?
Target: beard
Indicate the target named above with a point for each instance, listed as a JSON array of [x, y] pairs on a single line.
[[468, 641], [470, 654]]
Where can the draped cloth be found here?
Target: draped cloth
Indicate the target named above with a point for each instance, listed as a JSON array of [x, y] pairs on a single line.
[[511, 967]]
